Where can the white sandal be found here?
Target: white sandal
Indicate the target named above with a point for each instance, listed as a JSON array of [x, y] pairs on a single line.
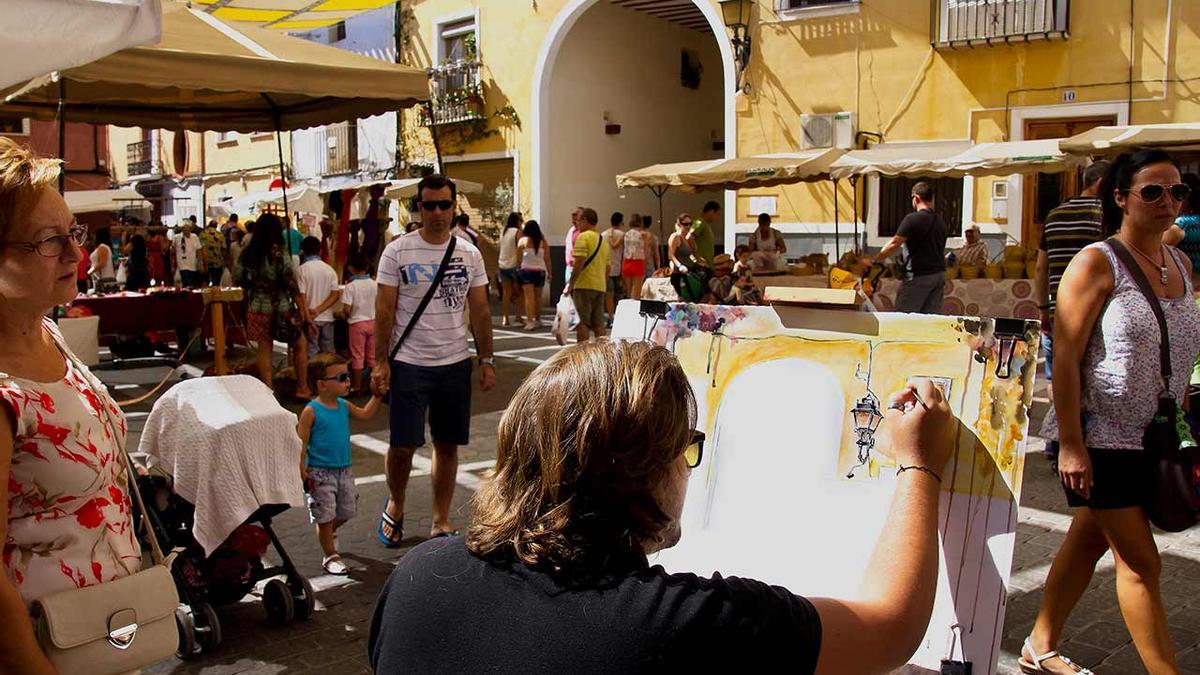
[[333, 565], [1035, 666]]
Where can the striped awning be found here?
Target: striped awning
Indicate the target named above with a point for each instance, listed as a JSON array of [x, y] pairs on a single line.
[[289, 15]]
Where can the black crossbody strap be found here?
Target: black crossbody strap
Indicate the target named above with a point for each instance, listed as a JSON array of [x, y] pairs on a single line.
[[1143, 284], [592, 257], [437, 281]]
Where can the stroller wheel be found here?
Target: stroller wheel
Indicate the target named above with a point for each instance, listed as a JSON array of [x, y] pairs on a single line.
[[303, 597], [208, 632], [277, 600], [186, 625]]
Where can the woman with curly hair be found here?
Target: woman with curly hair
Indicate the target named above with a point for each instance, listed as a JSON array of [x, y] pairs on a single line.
[[592, 467]]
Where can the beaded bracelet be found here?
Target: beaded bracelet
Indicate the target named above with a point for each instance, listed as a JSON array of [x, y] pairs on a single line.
[[922, 469]]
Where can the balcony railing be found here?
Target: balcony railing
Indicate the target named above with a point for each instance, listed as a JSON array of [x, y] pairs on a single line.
[[141, 160], [972, 22], [341, 148], [457, 94]]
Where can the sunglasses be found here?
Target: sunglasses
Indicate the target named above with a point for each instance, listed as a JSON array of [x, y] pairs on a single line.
[[1154, 192], [444, 205], [695, 450], [52, 246], [340, 377]]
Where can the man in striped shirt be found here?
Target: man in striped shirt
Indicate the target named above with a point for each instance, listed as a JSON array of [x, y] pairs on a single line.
[[1068, 229]]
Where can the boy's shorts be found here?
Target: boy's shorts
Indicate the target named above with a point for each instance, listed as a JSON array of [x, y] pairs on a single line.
[[332, 495]]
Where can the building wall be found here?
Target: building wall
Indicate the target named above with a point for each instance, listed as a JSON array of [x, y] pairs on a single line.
[[86, 165], [877, 62], [241, 164], [638, 88]]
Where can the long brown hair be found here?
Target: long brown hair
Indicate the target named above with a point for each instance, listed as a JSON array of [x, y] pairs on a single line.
[[587, 441]]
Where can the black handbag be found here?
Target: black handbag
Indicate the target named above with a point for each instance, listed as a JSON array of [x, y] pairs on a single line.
[[285, 325], [1174, 504]]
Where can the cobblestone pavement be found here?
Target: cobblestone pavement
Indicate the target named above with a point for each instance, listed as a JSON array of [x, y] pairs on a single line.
[[334, 640]]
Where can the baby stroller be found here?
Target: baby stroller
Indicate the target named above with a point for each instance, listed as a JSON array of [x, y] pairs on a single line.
[[222, 464]]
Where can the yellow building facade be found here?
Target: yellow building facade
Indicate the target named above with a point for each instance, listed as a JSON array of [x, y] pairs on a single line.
[[897, 71]]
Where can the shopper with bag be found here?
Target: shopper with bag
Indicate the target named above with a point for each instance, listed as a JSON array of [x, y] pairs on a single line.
[[426, 279], [273, 307], [1116, 381], [589, 280], [533, 272], [75, 556]]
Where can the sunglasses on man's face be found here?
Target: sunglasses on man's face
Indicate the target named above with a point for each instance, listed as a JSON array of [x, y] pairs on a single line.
[[1154, 192], [340, 377], [442, 204], [695, 450]]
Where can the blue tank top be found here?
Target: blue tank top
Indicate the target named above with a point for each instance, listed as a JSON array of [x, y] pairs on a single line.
[[1191, 237], [329, 442]]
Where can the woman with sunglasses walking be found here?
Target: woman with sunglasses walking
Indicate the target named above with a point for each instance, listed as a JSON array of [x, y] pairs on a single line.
[[1107, 385]]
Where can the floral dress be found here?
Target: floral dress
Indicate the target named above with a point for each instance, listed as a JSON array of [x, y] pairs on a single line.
[[271, 288], [69, 522]]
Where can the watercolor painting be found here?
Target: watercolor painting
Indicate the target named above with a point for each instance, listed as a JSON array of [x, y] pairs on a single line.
[[794, 487]]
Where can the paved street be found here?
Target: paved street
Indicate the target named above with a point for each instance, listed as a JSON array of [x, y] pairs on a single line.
[[334, 639]]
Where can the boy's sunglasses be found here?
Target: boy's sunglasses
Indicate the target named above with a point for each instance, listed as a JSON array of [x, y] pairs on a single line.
[[1154, 192], [695, 450], [340, 377], [444, 205]]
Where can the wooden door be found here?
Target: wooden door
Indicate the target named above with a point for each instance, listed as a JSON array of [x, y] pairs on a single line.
[[1044, 191]]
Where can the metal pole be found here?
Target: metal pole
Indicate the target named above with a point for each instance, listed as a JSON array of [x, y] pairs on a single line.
[[283, 186], [854, 191], [660, 191], [62, 134], [837, 239]]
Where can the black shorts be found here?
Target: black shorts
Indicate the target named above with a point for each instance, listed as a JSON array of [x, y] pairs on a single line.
[[1120, 479], [442, 391]]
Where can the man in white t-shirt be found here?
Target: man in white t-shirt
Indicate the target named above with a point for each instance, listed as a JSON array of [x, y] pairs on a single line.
[[432, 370], [188, 255], [319, 291]]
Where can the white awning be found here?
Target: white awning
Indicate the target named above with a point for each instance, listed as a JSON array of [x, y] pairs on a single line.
[[92, 201]]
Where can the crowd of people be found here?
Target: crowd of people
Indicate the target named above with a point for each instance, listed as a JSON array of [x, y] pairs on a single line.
[[561, 532]]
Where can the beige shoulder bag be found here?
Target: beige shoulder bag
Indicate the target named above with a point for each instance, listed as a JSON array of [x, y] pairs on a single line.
[[119, 626]]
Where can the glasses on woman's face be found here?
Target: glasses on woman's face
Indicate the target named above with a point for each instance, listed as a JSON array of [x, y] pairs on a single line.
[[340, 377], [1154, 192], [695, 450], [685, 223], [54, 245]]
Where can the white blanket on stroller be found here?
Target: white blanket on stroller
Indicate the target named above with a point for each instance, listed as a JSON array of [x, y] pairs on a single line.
[[229, 447]]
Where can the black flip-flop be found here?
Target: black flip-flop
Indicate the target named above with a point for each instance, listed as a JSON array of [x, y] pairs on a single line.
[[445, 533]]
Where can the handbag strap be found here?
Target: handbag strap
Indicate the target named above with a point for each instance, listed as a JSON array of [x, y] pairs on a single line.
[[1139, 278], [437, 281], [131, 473], [592, 257]]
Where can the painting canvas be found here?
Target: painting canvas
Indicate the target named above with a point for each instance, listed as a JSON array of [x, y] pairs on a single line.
[[794, 489]]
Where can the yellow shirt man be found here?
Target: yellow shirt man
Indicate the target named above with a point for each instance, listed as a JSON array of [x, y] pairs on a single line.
[[592, 277]]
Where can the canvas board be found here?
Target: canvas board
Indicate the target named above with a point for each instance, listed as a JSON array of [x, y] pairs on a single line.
[[783, 493]]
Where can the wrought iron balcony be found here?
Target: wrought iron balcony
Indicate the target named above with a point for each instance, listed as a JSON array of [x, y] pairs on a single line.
[[141, 160], [457, 94], [957, 23]]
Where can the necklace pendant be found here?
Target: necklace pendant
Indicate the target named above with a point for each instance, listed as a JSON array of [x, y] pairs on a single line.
[[1162, 275]]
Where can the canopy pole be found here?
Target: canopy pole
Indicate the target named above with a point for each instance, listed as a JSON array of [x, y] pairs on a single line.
[[837, 237], [287, 212], [854, 192], [659, 192], [62, 134]]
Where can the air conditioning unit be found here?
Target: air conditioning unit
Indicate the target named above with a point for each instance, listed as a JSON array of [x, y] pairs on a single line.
[[827, 130]]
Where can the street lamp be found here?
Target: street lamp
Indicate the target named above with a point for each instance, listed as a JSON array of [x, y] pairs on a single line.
[[736, 14], [865, 416]]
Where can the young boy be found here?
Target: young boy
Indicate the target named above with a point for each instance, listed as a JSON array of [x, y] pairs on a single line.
[[358, 308], [325, 461], [744, 291], [319, 291]]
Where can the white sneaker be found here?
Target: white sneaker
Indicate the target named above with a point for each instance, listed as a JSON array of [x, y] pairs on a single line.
[[333, 564]]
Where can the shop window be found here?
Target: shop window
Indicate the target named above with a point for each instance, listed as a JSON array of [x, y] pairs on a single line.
[[895, 202]]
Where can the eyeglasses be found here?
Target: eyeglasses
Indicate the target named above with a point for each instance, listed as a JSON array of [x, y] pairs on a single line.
[[54, 245], [340, 377], [695, 450], [685, 223], [1153, 193], [444, 205]]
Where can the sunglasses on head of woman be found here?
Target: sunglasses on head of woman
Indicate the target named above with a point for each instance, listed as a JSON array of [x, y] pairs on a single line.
[[1154, 192], [54, 245], [695, 450]]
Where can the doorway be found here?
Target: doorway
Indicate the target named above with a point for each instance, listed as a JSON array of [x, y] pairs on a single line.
[[1044, 191]]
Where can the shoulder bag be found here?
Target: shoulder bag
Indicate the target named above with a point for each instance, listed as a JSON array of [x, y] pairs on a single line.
[[437, 281], [114, 627], [285, 324], [1175, 503]]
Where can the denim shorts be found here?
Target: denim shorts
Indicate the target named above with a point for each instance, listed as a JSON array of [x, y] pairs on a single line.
[[444, 392], [510, 275], [535, 278], [332, 494]]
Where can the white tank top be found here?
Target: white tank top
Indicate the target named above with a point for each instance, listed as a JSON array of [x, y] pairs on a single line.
[[534, 261]]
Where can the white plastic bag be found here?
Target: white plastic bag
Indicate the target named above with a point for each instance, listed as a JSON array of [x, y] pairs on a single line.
[[226, 278], [566, 318], [122, 274]]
